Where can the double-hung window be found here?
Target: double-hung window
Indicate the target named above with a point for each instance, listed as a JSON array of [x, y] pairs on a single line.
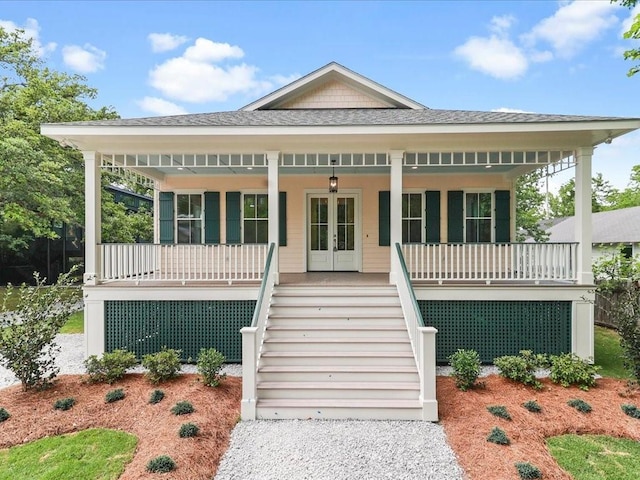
[[478, 217], [189, 217], [255, 218], [412, 217]]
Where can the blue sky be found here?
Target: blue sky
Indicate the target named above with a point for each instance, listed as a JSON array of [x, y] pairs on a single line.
[[160, 58]]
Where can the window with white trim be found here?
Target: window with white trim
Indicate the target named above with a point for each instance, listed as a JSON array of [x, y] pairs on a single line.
[[412, 217], [189, 218], [478, 217], [255, 218]]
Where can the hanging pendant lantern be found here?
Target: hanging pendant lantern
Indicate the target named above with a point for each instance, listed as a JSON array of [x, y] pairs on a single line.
[[333, 180]]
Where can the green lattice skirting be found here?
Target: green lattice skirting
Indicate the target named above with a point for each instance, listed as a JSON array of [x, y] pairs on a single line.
[[495, 328], [145, 327]]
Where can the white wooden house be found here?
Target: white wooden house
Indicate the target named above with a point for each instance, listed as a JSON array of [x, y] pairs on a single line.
[[339, 291]]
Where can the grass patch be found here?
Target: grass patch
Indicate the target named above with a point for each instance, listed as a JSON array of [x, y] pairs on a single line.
[[608, 353], [596, 457], [75, 323], [95, 454], [11, 301]]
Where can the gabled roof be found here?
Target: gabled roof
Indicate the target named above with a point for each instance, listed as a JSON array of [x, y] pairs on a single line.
[[329, 73], [614, 226]]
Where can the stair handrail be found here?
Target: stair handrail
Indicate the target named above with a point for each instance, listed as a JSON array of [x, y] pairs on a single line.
[[252, 338], [423, 339]]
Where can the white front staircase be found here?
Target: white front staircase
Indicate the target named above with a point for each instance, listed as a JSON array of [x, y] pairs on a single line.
[[337, 352]]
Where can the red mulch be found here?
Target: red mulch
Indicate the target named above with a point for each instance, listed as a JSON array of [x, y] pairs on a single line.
[[468, 423], [463, 414], [216, 412]]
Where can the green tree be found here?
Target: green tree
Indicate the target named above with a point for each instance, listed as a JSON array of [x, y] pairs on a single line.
[[530, 207], [632, 34], [630, 196], [602, 197]]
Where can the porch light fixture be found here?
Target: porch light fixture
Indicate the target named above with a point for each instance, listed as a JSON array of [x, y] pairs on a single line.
[[333, 180]]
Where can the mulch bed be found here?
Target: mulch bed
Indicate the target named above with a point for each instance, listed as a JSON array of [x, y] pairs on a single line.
[[216, 412], [463, 414]]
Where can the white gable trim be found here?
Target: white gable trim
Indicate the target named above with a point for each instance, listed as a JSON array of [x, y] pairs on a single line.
[[335, 71]]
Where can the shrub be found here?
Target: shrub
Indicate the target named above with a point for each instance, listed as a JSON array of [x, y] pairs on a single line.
[[626, 313], [114, 395], [163, 365], [579, 405], [188, 430], [569, 369], [522, 368], [466, 368], [498, 436], [111, 367], [209, 364], [64, 403], [4, 415], [182, 408], [631, 410], [528, 471], [161, 464], [27, 345], [532, 406], [156, 396], [499, 411]]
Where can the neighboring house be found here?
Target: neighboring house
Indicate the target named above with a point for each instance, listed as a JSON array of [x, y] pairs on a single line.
[[613, 232], [262, 212]]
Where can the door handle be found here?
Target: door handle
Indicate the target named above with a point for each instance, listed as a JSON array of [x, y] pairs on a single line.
[[335, 243]]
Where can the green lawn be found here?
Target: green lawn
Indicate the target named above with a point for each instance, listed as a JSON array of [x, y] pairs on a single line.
[[11, 302], [608, 353], [596, 457], [75, 324], [95, 454]]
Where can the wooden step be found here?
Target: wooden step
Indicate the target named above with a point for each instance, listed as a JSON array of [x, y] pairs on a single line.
[[292, 357], [337, 344], [326, 331], [357, 409], [340, 390], [338, 373]]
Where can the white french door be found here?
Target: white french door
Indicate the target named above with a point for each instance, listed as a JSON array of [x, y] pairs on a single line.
[[333, 232]]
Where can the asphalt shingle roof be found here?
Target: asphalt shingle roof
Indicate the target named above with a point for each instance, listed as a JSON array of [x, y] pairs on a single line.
[[341, 117], [615, 226]]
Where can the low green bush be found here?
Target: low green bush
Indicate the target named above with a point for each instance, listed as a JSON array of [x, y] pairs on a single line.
[[156, 397], [466, 368], [4, 415], [579, 405], [522, 368], [114, 395], [209, 364], [64, 403], [532, 406], [163, 365], [188, 430], [182, 408], [161, 464], [528, 471], [498, 436], [499, 411], [569, 369], [631, 410], [111, 367]]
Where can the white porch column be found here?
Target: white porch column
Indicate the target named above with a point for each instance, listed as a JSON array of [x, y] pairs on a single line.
[[274, 226], [583, 227], [395, 208], [92, 217]]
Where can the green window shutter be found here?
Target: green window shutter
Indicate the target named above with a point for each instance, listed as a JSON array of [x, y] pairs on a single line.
[[455, 220], [432, 210], [166, 217], [282, 219], [384, 218], [503, 216], [233, 217], [211, 217]]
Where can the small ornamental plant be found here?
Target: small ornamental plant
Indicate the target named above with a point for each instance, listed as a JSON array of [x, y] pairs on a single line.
[[182, 408], [64, 403], [569, 369], [114, 395], [532, 406], [161, 464], [498, 436], [111, 367], [466, 368], [210, 362], [499, 411], [522, 368], [631, 410], [4, 415], [156, 397], [188, 430], [528, 471], [163, 365], [580, 405]]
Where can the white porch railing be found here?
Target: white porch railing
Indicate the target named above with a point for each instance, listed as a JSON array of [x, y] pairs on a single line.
[[181, 262], [492, 261], [423, 341]]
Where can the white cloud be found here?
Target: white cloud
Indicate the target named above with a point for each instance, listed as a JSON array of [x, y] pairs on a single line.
[[284, 79], [495, 56], [501, 25], [510, 110], [31, 30], [87, 59], [164, 42], [159, 106], [198, 75], [573, 26]]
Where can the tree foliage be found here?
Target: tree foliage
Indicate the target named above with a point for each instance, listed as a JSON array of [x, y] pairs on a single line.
[[632, 34], [630, 196], [602, 197], [530, 207]]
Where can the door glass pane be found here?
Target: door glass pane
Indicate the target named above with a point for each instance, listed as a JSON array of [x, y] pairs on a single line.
[[323, 210], [351, 202], [323, 237], [315, 211], [314, 238], [350, 237], [405, 204], [249, 206], [342, 210], [342, 237], [415, 205]]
